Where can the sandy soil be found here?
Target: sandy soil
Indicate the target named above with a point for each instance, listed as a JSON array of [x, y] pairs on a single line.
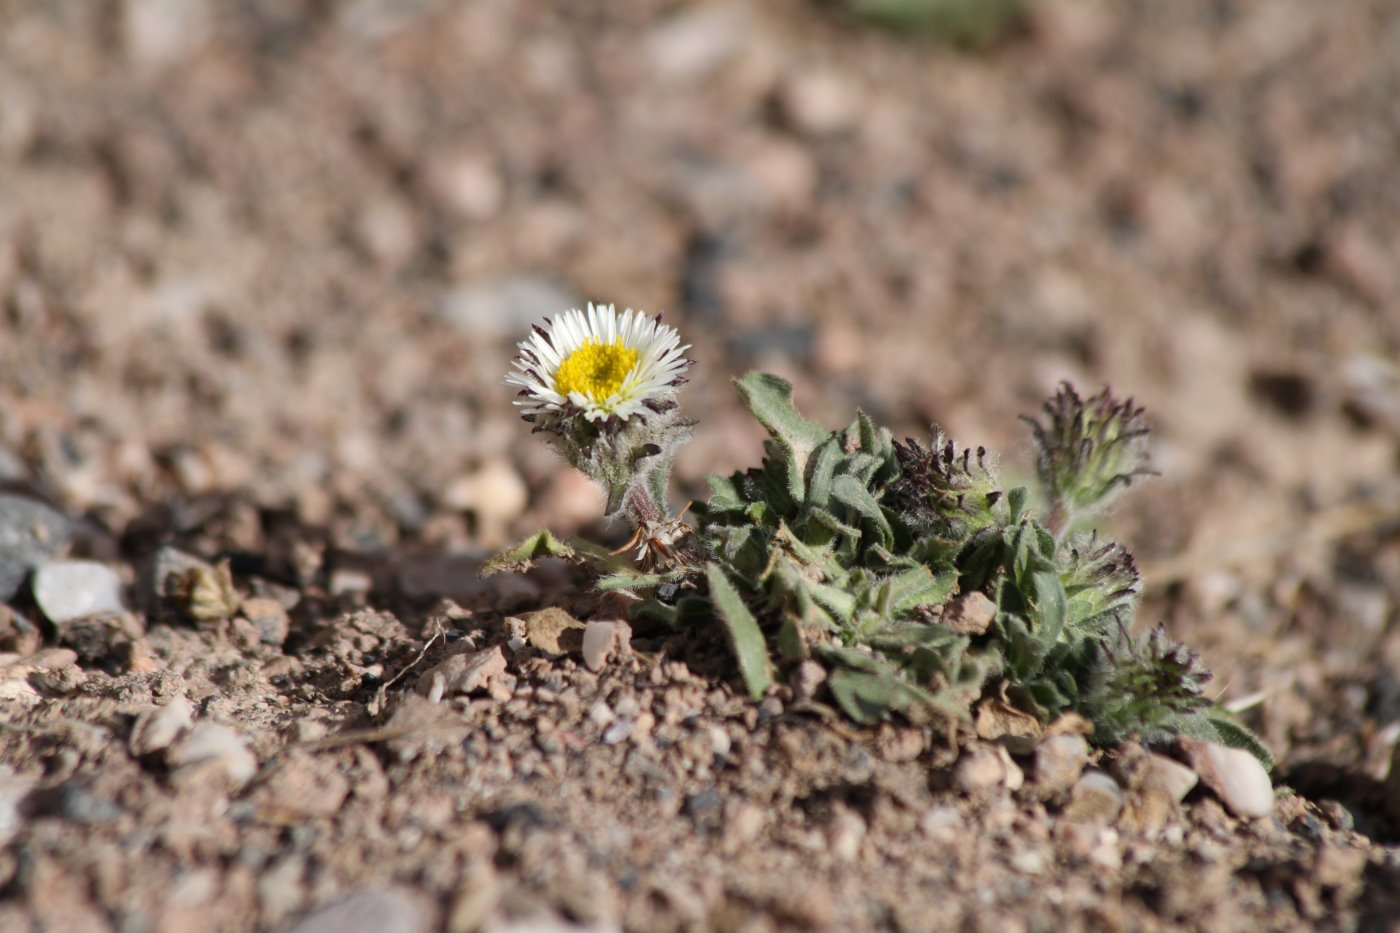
[[262, 267]]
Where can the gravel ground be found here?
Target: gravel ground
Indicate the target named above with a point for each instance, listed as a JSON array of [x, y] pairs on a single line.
[[262, 268]]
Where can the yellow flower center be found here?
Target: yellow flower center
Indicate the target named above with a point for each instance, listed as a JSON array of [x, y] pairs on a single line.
[[595, 369]]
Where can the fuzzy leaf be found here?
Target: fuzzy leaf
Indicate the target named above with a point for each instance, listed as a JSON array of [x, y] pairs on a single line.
[[523, 556], [745, 637], [866, 697], [770, 400], [820, 468], [849, 491], [635, 581], [1235, 735], [920, 587]]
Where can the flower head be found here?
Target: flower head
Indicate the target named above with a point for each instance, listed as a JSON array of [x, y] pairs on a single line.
[[600, 364]]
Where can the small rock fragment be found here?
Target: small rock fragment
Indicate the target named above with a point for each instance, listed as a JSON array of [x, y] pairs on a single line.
[[30, 533], [1233, 774], [821, 102], [70, 589], [464, 673], [846, 834], [1059, 760], [17, 634], [602, 639], [382, 910], [419, 727], [980, 770], [1169, 777], [269, 617], [554, 631], [300, 787], [13, 790], [102, 637], [1004, 723], [619, 731], [214, 746], [1157, 786], [807, 679], [61, 681], [157, 729], [969, 613], [697, 41], [1096, 798]]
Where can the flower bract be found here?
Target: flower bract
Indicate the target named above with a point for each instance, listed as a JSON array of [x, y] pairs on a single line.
[[600, 364]]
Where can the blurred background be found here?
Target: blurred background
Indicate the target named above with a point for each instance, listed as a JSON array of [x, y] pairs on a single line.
[[277, 253]]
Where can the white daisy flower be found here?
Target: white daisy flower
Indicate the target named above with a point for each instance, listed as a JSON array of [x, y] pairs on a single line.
[[602, 364]]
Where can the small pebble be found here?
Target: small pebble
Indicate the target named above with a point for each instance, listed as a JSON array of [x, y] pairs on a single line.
[[1234, 775], [1169, 777], [71, 589], [269, 617], [807, 679], [979, 770], [157, 729], [13, 790], [464, 673], [619, 731], [846, 834], [601, 714], [385, 910], [209, 743], [603, 639], [30, 533], [969, 613], [1059, 760], [1096, 798]]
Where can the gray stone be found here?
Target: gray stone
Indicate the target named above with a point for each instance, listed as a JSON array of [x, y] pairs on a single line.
[[376, 910], [30, 533], [504, 308], [71, 589]]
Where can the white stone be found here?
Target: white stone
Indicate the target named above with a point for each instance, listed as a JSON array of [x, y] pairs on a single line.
[[71, 589], [1059, 760], [210, 742], [1234, 775], [157, 729]]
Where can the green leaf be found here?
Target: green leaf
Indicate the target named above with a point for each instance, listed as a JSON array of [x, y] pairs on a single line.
[[523, 556], [1049, 607], [1234, 734], [635, 581], [745, 637], [866, 697], [851, 492], [1016, 503], [820, 468], [770, 400]]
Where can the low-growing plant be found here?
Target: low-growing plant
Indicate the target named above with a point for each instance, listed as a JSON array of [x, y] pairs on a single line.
[[922, 584]]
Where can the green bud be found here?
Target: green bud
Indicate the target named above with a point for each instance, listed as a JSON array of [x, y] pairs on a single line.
[[1088, 451]]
